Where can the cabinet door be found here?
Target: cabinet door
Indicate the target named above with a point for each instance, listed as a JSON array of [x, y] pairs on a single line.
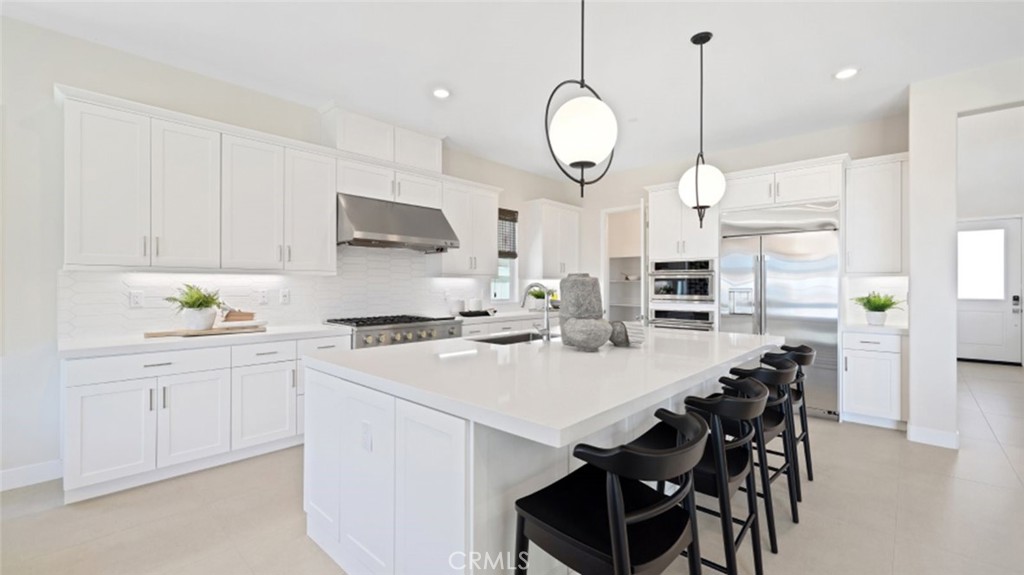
[[110, 431], [367, 497], [106, 186], [664, 224], [458, 209], [309, 212], [252, 204], [809, 183], [262, 403], [186, 196], [696, 241], [366, 136], [871, 383], [569, 240], [418, 150], [874, 218], [417, 190], [322, 453], [485, 234], [430, 485], [194, 416], [748, 192], [549, 238], [365, 180]]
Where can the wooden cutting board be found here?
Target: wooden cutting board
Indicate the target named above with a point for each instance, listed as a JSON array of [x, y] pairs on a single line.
[[200, 332]]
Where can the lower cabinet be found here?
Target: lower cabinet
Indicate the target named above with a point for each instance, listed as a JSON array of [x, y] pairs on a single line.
[[193, 416], [872, 385], [262, 403]]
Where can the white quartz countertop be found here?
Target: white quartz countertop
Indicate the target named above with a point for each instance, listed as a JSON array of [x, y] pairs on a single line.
[[501, 316], [548, 393], [127, 344]]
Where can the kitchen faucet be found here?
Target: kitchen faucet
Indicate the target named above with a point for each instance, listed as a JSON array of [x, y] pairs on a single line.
[[546, 331]]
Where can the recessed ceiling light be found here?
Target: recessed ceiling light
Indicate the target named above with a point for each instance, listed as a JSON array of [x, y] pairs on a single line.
[[441, 93], [846, 73]]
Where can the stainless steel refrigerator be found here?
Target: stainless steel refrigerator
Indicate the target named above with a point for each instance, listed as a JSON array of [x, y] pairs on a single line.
[[779, 275]]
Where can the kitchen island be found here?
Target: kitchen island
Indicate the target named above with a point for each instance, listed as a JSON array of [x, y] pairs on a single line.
[[415, 454]]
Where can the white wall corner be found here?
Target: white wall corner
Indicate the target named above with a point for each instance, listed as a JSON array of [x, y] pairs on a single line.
[[30, 474], [936, 437]]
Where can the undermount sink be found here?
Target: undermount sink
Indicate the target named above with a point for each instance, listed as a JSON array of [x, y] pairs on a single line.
[[513, 338]]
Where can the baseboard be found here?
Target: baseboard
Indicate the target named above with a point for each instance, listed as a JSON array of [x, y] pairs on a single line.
[[30, 474], [936, 437], [989, 361], [874, 421]]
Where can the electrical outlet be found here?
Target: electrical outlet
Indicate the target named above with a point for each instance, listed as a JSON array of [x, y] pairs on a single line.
[[136, 298], [285, 296], [261, 297]]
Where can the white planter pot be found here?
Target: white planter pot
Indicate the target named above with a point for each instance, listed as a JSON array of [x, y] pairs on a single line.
[[536, 304], [199, 319], [876, 317]]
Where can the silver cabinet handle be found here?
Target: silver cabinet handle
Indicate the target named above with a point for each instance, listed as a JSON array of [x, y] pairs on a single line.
[[846, 363], [289, 253], [295, 377], [506, 328], [871, 342], [151, 399], [266, 353], [156, 246], [162, 364], [770, 190], [778, 187], [326, 346], [280, 252], [145, 242], [165, 397]]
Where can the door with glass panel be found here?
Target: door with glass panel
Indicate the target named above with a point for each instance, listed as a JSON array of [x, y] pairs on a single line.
[[989, 290]]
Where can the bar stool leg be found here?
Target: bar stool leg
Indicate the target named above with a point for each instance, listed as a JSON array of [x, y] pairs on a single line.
[[766, 487], [792, 456], [725, 512], [755, 528], [522, 545], [806, 436], [693, 552]]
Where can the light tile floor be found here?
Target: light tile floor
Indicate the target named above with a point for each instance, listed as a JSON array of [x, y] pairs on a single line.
[[879, 505]]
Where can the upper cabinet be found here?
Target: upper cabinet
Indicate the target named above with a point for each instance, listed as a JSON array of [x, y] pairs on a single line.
[[380, 183], [820, 179], [550, 240], [472, 212], [252, 205], [375, 139], [874, 215], [106, 179], [310, 225], [674, 231], [417, 190]]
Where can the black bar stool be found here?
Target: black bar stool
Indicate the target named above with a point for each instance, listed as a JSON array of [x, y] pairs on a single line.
[[803, 356], [727, 462], [601, 518], [776, 421]]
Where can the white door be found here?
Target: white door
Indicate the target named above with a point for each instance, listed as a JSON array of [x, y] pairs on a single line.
[[106, 186], [569, 240], [809, 183], [748, 191], [664, 221], [485, 234], [874, 218], [458, 209], [417, 190], [368, 478], [252, 205], [310, 204], [989, 290], [194, 416], [871, 383], [186, 196], [322, 453], [430, 482], [365, 180], [262, 403], [110, 431]]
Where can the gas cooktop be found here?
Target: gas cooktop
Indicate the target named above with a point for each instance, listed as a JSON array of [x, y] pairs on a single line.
[[379, 320], [394, 329]]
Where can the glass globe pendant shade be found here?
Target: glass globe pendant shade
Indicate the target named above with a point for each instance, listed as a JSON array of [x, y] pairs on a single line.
[[583, 132], [712, 186]]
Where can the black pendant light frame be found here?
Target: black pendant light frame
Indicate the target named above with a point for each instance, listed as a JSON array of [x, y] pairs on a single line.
[[581, 166], [699, 39]]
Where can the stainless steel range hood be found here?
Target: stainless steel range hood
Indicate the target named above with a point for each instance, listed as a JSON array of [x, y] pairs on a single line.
[[374, 223]]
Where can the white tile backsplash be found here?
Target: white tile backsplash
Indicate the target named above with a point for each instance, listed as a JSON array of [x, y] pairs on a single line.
[[857, 286], [369, 282]]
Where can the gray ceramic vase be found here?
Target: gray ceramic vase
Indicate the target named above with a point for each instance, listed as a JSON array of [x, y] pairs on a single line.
[[582, 324]]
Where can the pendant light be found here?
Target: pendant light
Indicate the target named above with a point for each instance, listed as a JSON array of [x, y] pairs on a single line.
[[703, 185], [583, 131]]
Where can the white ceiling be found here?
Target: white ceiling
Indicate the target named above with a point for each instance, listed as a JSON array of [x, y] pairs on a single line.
[[768, 70]]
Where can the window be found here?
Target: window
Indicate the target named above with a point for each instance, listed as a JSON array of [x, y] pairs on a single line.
[[981, 264], [503, 286]]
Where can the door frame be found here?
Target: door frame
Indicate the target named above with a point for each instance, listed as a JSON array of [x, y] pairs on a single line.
[[604, 272]]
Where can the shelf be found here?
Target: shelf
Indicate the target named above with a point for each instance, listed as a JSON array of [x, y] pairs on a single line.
[[624, 304], [624, 281]]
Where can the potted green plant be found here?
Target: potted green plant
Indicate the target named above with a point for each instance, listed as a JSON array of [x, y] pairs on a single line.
[[197, 306], [876, 305], [537, 303]]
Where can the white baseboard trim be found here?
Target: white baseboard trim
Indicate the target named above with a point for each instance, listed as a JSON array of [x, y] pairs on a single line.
[[936, 437], [873, 421], [30, 474]]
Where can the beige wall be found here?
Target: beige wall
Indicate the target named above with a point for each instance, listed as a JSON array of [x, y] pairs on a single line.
[[518, 186]]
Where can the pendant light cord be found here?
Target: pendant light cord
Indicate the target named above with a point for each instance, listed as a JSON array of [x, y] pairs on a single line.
[[702, 100], [583, 33]]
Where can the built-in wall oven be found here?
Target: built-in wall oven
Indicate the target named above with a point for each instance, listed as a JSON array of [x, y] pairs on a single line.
[[695, 320], [683, 281]]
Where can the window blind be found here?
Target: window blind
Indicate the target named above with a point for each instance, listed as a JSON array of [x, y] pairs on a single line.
[[507, 221]]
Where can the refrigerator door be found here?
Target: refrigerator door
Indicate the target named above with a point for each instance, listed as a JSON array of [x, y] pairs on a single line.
[[739, 310], [801, 286]]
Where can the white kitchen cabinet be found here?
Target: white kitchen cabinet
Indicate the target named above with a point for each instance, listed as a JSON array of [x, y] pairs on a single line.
[[872, 375], [417, 150], [430, 481], [360, 134], [106, 186], [322, 480], [417, 190], [473, 214], [799, 182], [262, 403], [110, 431], [185, 196], [309, 212], [674, 230], [194, 416], [748, 191], [874, 217], [252, 204], [550, 239], [366, 180], [805, 184]]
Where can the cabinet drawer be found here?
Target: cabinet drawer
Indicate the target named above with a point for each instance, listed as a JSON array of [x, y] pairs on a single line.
[[257, 353], [307, 346], [872, 342], [140, 365], [476, 329]]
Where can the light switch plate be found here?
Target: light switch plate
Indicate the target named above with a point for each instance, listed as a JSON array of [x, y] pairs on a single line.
[[261, 297], [136, 298], [286, 296]]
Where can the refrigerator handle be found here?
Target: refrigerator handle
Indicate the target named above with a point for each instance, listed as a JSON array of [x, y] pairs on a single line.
[[757, 294], [763, 317]]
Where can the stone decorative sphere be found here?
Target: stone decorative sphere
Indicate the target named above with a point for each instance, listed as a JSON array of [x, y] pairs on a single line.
[[585, 334]]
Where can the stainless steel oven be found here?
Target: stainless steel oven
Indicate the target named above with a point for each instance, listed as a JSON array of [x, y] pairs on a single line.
[[683, 281], [694, 320]]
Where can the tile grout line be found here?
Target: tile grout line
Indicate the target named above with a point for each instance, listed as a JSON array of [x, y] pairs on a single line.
[[985, 416]]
